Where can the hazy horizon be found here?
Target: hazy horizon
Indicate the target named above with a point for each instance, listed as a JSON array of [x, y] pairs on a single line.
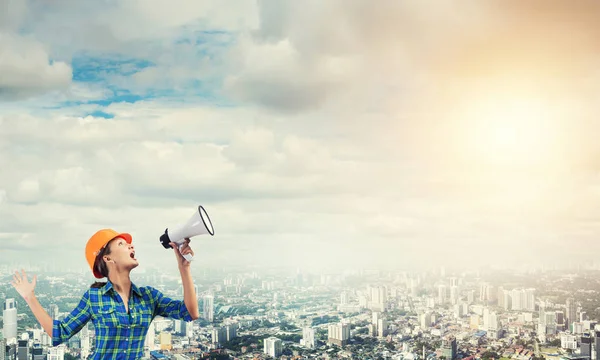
[[337, 133]]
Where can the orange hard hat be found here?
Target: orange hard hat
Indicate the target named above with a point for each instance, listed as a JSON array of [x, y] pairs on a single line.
[[97, 242]]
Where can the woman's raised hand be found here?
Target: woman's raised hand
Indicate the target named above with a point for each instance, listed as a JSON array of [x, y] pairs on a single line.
[[22, 285]]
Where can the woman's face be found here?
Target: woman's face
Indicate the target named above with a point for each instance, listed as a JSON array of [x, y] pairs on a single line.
[[122, 253]]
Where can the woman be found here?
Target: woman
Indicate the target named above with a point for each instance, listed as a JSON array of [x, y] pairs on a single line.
[[120, 311]]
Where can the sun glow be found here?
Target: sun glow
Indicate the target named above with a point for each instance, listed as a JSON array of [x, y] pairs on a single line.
[[513, 148], [515, 132]]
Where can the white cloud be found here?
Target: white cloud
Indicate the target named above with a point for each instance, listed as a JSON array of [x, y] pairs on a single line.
[[13, 12], [278, 76], [39, 40], [135, 28], [363, 162], [266, 188], [2, 196], [351, 50], [25, 68]]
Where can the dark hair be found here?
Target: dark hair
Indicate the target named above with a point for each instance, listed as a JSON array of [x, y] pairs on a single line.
[[100, 265]]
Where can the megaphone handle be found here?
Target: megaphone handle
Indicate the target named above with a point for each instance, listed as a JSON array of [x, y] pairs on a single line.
[[188, 257]]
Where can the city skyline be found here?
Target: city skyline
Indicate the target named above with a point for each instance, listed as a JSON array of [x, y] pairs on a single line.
[[253, 314], [399, 135]]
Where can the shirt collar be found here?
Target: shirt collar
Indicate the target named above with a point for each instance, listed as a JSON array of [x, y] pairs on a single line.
[[109, 286]]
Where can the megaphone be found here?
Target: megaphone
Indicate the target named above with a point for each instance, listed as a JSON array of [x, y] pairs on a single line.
[[198, 224]]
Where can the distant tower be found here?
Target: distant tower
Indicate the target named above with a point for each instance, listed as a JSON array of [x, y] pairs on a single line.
[[272, 346], [85, 342], [10, 319], [344, 298], [571, 312], [209, 308], [53, 312], [308, 334], [586, 345]]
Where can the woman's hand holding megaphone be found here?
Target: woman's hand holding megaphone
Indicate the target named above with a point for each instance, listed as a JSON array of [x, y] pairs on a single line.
[[189, 293], [180, 251]]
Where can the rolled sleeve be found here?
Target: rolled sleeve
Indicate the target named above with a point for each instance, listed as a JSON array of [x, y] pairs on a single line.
[[170, 308], [63, 330]]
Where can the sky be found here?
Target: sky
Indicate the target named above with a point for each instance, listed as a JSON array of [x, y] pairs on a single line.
[[316, 134]]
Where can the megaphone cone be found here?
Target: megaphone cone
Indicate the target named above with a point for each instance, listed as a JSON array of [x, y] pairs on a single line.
[[198, 224]]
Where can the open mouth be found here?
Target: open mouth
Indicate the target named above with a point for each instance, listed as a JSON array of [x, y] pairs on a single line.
[[132, 255]]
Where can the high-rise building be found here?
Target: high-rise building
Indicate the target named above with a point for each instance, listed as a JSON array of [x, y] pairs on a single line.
[[459, 310], [571, 312], [529, 300], [150, 337], [56, 352], [10, 319], [308, 335], [2, 347], [474, 321], [272, 347], [344, 298], [441, 294], [568, 341], [183, 328], [189, 329], [222, 334], [53, 311], [522, 299], [37, 352], [231, 331], [550, 318], [23, 349], [338, 334], [501, 298], [209, 308], [586, 345], [449, 348], [507, 300], [454, 295], [375, 317], [490, 320], [470, 296], [382, 328], [11, 350], [378, 295], [597, 343], [164, 339], [85, 342], [425, 320], [516, 299], [362, 301], [483, 292]]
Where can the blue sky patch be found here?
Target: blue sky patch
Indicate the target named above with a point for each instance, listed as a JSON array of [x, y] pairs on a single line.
[[119, 98], [113, 71], [102, 114], [101, 68]]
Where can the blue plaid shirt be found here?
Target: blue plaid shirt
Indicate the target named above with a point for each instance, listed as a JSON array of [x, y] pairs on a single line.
[[119, 335]]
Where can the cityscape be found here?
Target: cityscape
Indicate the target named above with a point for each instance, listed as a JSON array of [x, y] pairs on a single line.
[[264, 313], [386, 180]]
